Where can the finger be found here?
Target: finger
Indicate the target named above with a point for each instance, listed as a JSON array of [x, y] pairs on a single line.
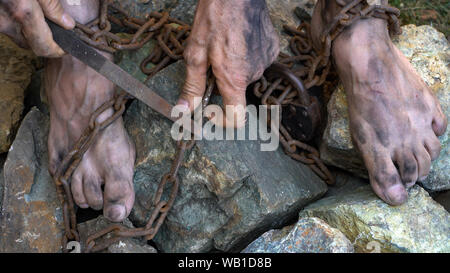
[[54, 11], [234, 101], [34, 28], [11, 28], [195, 84]]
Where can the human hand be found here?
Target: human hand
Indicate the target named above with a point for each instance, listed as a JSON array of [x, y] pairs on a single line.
[[24, 22], [235, 37]]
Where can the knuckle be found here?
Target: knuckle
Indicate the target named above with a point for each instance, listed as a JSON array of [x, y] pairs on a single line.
[[194, 57], [191, 89]]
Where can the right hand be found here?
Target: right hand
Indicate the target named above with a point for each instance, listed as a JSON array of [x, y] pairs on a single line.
[[237, 39], [24, 22]]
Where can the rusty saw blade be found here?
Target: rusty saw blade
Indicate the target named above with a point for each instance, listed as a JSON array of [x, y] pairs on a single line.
[[69, 41]]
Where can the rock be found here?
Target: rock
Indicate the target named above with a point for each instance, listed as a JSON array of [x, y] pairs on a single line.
[[31, 217], [16, 68], [309, 235], [127, 245], [230, 191], [419, 225], [344, 183], [2, 162], [429, 52]]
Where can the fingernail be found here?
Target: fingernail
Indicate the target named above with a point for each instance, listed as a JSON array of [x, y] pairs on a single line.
[[68, 21], [84, 206], [183, 103]]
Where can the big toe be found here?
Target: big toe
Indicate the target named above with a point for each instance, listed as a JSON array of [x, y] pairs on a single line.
[[386, 182], [118, 199]]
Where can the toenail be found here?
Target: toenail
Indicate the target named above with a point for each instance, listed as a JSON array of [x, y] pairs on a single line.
[[116, 213], [396, 195], [410, 184], [84, 206]]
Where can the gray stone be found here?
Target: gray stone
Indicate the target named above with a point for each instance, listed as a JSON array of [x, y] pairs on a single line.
[[429, 52], [126, 245], [2, 162], [31, 218], [419, 225], [16, 68], [230, 191], [308, 235]]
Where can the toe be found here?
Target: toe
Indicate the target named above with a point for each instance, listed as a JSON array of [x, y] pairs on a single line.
[[118, 199], [433, 147], [423, 162], [407, 166], [386, 182], [93, 191], [77, 190], [439, 123]]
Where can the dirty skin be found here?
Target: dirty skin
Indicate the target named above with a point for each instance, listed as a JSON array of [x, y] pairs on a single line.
[[395, 119], [74, 91]]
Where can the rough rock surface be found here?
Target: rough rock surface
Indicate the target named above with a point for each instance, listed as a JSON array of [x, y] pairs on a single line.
[[127, 245], [429, 52], [230, 193], [16, 68], [308, 235], [31, 218], [419, 225], [2, 162]]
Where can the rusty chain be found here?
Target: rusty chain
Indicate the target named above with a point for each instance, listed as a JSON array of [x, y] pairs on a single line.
[[171, 35], [283, 88], [160, 207], [71, 161]]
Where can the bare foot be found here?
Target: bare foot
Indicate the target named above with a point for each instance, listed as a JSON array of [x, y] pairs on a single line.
[[74, 92], [394, 117]]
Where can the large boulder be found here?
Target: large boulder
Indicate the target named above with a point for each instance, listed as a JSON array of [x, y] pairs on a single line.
[[31, 217], [419, 225], [16, 68], [429, 52], [308, 235], [230, 191]]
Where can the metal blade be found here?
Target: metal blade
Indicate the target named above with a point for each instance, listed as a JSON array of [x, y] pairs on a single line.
[[72, 44]]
